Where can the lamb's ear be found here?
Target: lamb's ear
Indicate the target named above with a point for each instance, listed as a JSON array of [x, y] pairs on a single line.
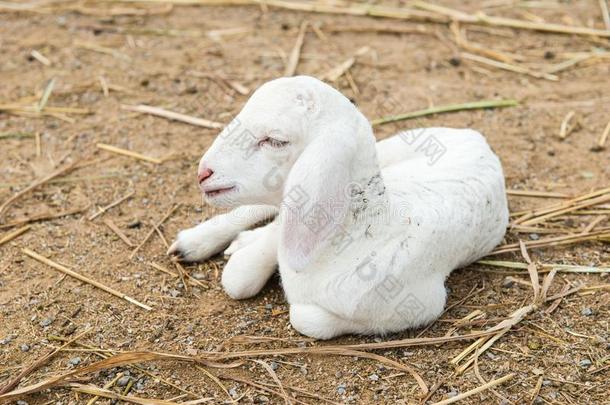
[[315, 201]]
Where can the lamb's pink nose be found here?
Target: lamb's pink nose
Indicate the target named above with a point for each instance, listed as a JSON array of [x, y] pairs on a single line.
[[204, 174]]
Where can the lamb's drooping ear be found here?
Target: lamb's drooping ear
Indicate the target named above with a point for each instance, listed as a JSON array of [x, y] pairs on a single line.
[[315, 201]]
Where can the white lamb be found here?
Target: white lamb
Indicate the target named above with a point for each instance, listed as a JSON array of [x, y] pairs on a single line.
[[364, 233]]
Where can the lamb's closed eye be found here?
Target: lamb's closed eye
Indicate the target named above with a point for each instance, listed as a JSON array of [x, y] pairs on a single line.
[[272, 142]]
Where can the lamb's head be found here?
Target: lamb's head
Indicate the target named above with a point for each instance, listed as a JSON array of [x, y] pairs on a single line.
[[251, 158]]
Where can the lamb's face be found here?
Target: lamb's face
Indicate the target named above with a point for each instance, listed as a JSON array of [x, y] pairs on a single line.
[[250, 159]]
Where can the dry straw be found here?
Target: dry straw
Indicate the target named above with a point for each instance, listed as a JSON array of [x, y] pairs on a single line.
[[475, 105], [423, 11], [170, 115], [295, 54], [14, 234], [129, 153], [85, 279]]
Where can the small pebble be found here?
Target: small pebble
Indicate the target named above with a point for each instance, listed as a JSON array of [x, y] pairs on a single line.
[[274, 365], [233, 392], [123, 381], [261, 399], [140, 384], [374, 377], [452, 393], [534, 236], [22, 402], [341, 389], [455, 61], [25, 348], [585, 363], [46, 322], [75, 361], [587, 312], [508, 282]]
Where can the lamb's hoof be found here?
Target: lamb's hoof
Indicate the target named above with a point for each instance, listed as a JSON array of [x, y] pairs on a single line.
[[192, 246]]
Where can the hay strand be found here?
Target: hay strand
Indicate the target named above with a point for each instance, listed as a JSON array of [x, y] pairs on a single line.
[[477, 390], [35, 185], [112, 205], [295, 54], [14, 234], [82, 278], [174, 116], [474, 105], [125, 152]]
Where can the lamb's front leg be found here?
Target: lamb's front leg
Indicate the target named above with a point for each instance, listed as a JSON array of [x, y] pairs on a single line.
[[212, 236], [250, 266]]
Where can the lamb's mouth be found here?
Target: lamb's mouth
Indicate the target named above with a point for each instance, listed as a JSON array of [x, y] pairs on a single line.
[[215, 192]]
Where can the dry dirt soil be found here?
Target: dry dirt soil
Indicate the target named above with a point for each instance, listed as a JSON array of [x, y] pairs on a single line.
[[169, 59]]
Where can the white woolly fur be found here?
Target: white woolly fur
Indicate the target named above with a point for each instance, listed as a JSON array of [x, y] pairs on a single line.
[[364, 232]]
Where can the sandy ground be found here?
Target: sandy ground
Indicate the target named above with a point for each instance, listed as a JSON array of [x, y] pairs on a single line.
[[142, 60]]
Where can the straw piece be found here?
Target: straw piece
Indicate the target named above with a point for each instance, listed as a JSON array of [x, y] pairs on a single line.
[[564, 130], [40, 57], [531, 269], [162, 269], [18, 135], [461, 41], [475, 105], [601, 143], [129, 153], [152, 231], [385, 29], [541, 194], [508, 66], [335, 73], [106, 386], [216, 381], [80, 277], [559, 67], [45, 95], [37, 364], [275, 378], [295, 54], [435, 14], [556, 241], [111, 205], [569, 208], [42, 217], [35, 185], [12, 235], [603, 5], [159, 112], [101, 392], [118, 231], [565, 268], [594, 223], [477, 390], [527, 215], [482, 18], [101, 49], [104, 84], [260, 387]]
